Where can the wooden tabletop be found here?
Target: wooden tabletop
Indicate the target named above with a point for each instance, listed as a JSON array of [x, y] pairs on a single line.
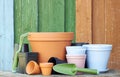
[[110, 73]]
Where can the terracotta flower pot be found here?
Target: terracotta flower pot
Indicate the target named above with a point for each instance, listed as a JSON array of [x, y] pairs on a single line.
[[46, 68], [50, 44], [78, 60], [32, 68]]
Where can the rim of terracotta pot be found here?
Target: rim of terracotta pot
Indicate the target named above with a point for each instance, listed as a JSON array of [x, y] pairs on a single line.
[[30, 67], [50, 36], [46, 64]]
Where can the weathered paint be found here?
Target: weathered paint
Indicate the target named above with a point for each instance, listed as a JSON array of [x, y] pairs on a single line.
[[6, 34], [70, 16], [17, 19], [31, 15], [51, 15], [26, 14], [47, 16], [43, 16]]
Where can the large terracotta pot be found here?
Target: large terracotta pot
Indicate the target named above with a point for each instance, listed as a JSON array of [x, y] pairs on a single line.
[[50, 44]]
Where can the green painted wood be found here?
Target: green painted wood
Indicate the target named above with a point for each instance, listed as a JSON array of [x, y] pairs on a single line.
[[51, 15], [70, 14], [28, 17], [44, 16], [17, 19]]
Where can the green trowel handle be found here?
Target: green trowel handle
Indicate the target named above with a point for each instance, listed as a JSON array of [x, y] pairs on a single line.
[[86, 70]]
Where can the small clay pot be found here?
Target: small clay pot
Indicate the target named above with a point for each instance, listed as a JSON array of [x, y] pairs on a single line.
[[32, 68], [80, 44], [78, 60], [24, 58], [46, 68]]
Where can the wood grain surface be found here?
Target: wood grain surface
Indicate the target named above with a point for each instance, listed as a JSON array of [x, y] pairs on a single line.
[[84, 21]]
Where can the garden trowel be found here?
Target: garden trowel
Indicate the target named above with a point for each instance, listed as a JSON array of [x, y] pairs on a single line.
[[71, 69]]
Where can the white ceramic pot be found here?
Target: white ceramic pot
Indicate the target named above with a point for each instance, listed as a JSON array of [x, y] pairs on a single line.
[[98, 56], [75, 50]]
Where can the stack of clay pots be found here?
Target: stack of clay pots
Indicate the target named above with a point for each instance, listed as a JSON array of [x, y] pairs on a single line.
[[76, 55], [96, 56], [58, 44], [47, 45]]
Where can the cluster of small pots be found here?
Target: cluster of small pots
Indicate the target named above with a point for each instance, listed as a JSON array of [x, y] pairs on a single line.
[[52, 44], [76, 55], [35, 68], [96, 56]]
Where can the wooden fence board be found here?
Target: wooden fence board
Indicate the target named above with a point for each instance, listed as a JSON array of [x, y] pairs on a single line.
[[98, 21], [106, 29], [84, 21], [27, 11], [1, 32], [29, 16], [112, 30], [6, 32], [17, 19], [70, 15], [51, 15]]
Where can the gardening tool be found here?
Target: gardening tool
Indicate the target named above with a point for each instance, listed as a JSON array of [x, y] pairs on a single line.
[[71, 69], [15, 61]]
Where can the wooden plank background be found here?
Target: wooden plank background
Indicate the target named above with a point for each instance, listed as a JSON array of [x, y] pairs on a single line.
[[99, 23], [26, 17], [93, 21], [112, 24], [106, 29], [6, 34], [70, 17], [84, 21], [44, 16], [51, 15]]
